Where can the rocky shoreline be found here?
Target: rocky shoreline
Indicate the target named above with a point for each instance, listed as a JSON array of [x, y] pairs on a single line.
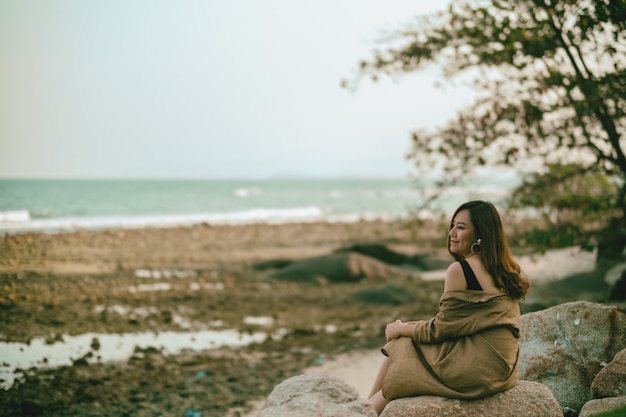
[[206, 278]]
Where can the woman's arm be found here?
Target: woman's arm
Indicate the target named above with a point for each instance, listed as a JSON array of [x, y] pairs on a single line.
[[423, 329]]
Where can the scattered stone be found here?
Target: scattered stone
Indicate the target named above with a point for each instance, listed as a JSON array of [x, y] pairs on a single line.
[[95, 344], [564, 347], [594, 407], [527, 399], [315, 395], [84, 360], [611, 380]]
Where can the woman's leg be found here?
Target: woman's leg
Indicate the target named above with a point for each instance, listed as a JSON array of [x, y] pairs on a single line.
[[378, 382], [379, 402]]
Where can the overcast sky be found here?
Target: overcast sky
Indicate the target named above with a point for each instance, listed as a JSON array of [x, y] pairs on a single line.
[[206, 89]]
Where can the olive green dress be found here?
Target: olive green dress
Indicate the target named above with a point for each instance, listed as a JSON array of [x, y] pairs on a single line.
[[470, 349]]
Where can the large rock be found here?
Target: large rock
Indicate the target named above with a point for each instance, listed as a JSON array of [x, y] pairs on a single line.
[[315, 395], [527, 399], [564, 348], [337, 267], [594, 407], [611, 380]]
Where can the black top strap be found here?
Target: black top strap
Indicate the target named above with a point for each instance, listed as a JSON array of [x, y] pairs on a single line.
[[470, 277]]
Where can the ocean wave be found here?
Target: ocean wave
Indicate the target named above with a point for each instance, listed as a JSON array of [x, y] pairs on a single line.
[[269, 216], [18, 224], [246, 192], [56, 206], [14, 216]]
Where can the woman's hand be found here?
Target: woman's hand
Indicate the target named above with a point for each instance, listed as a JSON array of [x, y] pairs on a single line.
[[393, 330]]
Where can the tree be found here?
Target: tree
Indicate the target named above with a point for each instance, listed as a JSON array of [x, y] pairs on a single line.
[[553, 74], [571, 206]]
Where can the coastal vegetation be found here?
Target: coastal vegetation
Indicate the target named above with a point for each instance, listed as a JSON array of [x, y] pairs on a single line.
[[550, 77]]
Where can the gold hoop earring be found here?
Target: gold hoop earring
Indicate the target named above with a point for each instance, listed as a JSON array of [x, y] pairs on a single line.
[[476, 248]]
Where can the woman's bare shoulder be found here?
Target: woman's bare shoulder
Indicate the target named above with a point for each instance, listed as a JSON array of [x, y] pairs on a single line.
[[455, 278]]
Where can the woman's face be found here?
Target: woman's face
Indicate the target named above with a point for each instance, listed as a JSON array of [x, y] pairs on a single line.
[[462, 235]]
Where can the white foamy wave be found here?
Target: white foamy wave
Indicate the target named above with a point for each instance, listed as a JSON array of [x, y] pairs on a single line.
[[247, 192], [14, 216], [260, 215]]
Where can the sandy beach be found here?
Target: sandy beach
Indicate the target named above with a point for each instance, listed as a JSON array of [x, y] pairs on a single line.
[[212, 280]]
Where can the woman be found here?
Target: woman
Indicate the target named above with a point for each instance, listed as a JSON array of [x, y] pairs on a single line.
[[470, 348]]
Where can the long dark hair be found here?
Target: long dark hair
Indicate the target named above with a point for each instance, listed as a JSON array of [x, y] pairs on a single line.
[[495, 252]]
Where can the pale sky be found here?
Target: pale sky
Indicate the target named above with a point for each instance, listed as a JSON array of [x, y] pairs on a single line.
[[207, 89]]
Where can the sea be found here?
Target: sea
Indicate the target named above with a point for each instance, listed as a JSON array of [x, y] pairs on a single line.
[[61, 205]]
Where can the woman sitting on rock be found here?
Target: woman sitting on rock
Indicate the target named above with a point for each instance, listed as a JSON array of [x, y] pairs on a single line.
[[470, 348]]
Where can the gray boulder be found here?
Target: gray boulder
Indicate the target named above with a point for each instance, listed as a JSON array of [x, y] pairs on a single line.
[[315, 395], [611, 380], [527, 399], [564, 348], [594, 407]]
